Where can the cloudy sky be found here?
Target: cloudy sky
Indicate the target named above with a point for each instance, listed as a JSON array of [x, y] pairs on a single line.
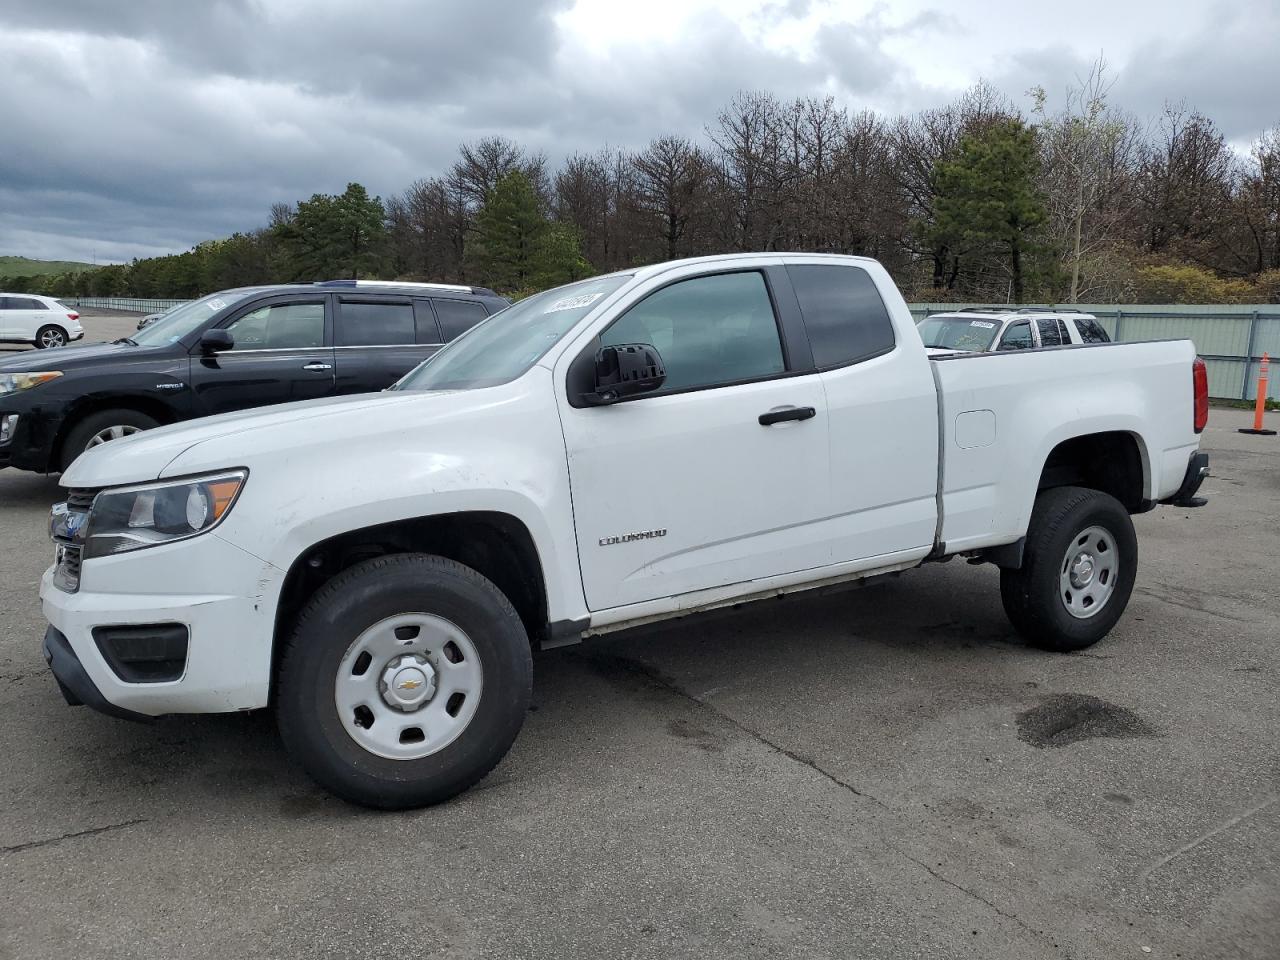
[[141, 127]]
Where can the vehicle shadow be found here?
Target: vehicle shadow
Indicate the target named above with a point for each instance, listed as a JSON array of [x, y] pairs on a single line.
[[18, 488], [857, 645]]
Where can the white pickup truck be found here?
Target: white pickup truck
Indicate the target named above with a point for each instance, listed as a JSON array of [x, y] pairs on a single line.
[[630, 448]]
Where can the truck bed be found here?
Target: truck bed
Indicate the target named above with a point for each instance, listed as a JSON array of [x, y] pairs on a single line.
[[993, 441]]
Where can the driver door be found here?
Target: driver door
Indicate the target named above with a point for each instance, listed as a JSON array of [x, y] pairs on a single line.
[[696, 485], [283, 352]]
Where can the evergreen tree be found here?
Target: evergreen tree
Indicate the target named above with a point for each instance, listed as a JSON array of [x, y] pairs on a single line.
[[514, 247], [334, 236], [987, 200]]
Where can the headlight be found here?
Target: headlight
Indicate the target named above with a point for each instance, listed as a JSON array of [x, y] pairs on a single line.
[[13, 382], [132, 518]]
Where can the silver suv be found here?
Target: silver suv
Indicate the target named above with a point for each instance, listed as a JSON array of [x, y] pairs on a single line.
[[978, 331]]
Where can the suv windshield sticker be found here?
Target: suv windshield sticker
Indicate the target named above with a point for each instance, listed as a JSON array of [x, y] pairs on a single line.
[[984, 324], [573, 303]]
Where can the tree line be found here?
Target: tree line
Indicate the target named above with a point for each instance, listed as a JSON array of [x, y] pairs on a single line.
[[974, 201]]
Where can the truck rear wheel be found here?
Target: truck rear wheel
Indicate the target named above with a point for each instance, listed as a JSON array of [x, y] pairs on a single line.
[[1078, 569], [405, 681]]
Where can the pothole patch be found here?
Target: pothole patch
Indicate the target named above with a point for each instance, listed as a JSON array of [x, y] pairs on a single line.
[[1071, 717]]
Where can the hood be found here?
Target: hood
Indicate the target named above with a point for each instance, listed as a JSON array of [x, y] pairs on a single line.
[[72, 358], [146, 456]]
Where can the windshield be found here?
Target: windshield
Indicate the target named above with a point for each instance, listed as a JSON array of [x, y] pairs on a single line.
[[511, 341], [181, 320], [958, 333]]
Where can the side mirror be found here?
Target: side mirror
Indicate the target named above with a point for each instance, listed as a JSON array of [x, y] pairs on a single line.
[[624, 370], [216, 341]]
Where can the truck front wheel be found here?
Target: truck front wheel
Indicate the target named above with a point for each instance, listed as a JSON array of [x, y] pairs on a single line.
[[1078, 569], [405, 681]]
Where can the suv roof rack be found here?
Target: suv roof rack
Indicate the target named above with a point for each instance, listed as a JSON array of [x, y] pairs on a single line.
[[451, 287]]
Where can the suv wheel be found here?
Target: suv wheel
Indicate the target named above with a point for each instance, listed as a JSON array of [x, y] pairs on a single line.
[[406, 680], [1078, 569], [103, 427], [49, 337]]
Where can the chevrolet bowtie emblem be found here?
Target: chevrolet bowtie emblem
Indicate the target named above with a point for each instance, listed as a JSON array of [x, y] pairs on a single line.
[[410, 684]]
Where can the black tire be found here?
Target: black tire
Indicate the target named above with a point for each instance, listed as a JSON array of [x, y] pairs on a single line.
[[343, 609], [78, 439], [1033, 600], [51, 336]]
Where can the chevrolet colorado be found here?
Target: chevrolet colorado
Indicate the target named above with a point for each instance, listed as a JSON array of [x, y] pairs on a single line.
[[625, 449]]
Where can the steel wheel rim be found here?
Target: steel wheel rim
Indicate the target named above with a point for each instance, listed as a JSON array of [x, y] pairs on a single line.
[[52, 338], [408, 686], [1089, 572], [107, 434]]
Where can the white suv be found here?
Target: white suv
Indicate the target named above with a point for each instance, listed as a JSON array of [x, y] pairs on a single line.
[[978, 331], [40, 321]]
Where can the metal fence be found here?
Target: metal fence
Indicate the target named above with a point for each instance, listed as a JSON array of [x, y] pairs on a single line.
[[1230, 337], [121, 303]]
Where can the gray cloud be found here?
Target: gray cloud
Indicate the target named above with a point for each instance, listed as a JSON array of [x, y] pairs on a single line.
[[141, 128]]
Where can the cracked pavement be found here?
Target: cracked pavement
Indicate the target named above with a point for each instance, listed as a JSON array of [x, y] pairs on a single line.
[[831, 776]]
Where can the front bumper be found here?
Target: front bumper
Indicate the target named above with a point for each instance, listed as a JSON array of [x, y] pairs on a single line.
[[34, 436], [75, 683], [225, 597]]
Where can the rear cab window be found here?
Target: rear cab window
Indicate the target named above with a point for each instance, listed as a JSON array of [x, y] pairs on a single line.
[[844, 316]]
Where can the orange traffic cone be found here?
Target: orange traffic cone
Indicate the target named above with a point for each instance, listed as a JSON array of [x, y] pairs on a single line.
[[1260, 405]]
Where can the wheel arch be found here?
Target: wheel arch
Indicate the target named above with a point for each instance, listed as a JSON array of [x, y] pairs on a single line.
[[497, 545], [1114, 462], [89, 405]]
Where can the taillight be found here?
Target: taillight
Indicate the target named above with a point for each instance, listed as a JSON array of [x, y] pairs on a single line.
[[1200, 384], [73, 316]]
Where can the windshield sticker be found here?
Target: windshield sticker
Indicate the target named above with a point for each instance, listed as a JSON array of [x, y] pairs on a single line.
[[984, 324], [574, 303], [216, 304]]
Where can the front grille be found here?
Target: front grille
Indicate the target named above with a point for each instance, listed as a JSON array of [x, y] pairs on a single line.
[[80, 498]]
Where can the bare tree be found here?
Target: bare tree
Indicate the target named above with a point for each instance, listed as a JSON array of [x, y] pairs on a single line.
[[486, 161], [1183, 184], [1080, 146], [672, 178]]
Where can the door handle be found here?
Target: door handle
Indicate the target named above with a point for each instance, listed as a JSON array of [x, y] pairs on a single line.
[[786, 413], [317, 365]]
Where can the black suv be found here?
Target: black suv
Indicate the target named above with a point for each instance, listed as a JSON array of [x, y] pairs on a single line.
[[241, 348]]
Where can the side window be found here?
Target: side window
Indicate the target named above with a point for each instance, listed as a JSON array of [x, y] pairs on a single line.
[[1017, 337], [710, 330], [1050, 335], [4, 303], [38, 305], [843, 314], [1091, 331], [458, 316], [280, 326], [374, 324], [425, 317]]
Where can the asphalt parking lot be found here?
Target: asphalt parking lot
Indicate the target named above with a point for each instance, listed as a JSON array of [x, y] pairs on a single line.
[[884, 772]]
